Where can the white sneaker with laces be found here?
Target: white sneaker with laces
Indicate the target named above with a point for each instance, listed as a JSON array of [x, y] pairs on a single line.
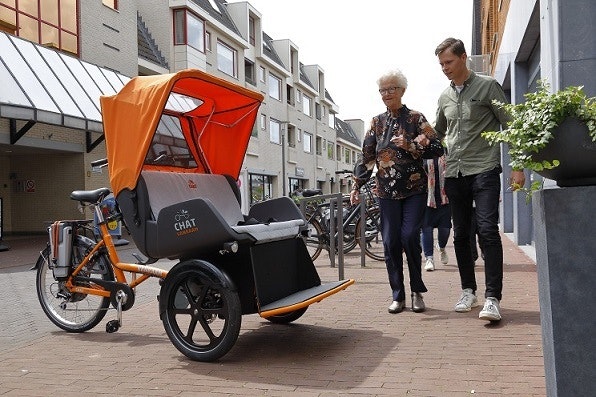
[[444, 257], [466, 301], [491, 310], [430, 264]]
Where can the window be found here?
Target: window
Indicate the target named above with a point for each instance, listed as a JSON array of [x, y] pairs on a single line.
[[298, 96], [261, 187], [274, 131], [330, 150], [306, 144], [295, 184], [331, 120], [169, 146], [110, 3], [347, 154], [189, 29], [208, 41], [291, 136], [249, 72], [263, 122], [274, 87], [319, 145], [306, 105], [53, 24], [318, 111], [255, 131], [261, 74], [251, 31], [226, 59]]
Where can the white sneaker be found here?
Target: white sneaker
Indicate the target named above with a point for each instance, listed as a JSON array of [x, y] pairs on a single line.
[[491, 310], [466, 301], [444, 257], [430, 265]]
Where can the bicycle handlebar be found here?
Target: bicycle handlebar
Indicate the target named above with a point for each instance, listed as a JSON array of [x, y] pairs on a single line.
[[343, 172]]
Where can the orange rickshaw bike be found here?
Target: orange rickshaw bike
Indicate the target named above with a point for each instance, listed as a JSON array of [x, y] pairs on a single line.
[[175, 148]]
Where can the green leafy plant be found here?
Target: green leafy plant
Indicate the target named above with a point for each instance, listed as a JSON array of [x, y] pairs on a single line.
[[532, 123]]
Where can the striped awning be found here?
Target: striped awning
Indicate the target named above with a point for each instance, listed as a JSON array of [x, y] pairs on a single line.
[[38, 84]]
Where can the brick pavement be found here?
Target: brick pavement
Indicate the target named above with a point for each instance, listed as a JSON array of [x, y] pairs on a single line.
[[345, 345]]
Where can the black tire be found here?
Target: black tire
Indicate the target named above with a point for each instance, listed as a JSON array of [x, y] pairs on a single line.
[[73, 312], [287, 318], [191, 296], [373, 246], [315, 241]]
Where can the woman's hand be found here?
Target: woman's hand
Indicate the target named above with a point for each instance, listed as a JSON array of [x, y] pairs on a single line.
[[401, 142], [354, 197], [422, 140]]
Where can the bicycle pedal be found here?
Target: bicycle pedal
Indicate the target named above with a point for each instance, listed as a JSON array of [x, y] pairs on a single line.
[[112, 326]]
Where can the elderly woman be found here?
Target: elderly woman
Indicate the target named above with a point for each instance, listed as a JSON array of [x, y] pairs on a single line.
[[396, 144]]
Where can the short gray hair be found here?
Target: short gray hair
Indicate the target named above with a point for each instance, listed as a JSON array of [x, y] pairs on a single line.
[[396, 75]]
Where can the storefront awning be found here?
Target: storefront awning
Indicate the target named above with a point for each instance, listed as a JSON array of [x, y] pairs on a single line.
[[38, 84]]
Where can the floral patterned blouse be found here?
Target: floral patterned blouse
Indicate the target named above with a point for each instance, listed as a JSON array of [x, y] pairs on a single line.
[[399, 172]]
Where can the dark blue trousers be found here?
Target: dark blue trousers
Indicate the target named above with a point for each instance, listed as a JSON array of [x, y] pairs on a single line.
[[401, 221], [484, 190]]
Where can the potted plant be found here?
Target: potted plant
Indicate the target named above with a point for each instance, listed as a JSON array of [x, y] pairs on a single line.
[[553, 134]]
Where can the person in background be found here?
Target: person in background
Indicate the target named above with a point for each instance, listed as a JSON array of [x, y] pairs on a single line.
[[395, 145], [437, 214], [465, 110]]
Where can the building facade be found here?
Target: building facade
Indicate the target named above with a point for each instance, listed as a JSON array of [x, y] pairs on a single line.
[[520, 43], [297, 140]]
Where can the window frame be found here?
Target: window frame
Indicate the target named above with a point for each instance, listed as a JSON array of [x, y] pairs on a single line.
[[307, 142], [275, 131], [184, 40], [65, 35], [234, 61], [274, 82]]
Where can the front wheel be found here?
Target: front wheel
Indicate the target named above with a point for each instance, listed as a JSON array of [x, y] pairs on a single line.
[[73, 312], [201, 311]]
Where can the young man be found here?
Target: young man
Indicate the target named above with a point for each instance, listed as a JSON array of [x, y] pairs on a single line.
[[465, 110]]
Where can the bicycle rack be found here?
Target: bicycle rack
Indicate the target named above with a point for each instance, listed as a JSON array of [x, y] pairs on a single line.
[[335, 200]]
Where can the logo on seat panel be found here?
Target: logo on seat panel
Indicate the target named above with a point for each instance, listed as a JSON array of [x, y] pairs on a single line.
[[184, 224], [191, 184]]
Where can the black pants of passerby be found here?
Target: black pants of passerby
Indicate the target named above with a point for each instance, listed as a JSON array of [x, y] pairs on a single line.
[[483, 189], [401, 221]]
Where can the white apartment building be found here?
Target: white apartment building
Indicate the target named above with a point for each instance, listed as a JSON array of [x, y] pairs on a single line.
[[55, 62]]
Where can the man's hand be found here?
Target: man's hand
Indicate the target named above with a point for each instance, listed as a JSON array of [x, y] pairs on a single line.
[[517, 180]]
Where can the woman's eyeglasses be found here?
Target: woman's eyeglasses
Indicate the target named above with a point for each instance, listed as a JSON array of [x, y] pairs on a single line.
[[389, 90]]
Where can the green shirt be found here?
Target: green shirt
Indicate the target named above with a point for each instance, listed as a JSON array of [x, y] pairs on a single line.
[[462, 117]]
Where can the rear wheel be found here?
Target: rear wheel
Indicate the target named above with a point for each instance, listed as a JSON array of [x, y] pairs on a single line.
[[315, 241], [373, 240], [202, 316], [73, 312]]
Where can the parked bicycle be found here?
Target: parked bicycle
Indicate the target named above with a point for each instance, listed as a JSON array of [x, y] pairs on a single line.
[[318, 216]]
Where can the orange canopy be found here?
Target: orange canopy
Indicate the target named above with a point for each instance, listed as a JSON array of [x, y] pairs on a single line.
[[187, 121]]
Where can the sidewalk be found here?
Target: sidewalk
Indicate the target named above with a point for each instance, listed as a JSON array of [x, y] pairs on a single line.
[[346, 345]]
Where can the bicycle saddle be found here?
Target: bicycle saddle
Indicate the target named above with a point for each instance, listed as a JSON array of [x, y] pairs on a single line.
[[311, 192], [90, 196]]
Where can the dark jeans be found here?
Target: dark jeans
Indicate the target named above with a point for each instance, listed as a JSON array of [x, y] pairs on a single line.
[[401, 221], [484, 190], [428, 239]]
